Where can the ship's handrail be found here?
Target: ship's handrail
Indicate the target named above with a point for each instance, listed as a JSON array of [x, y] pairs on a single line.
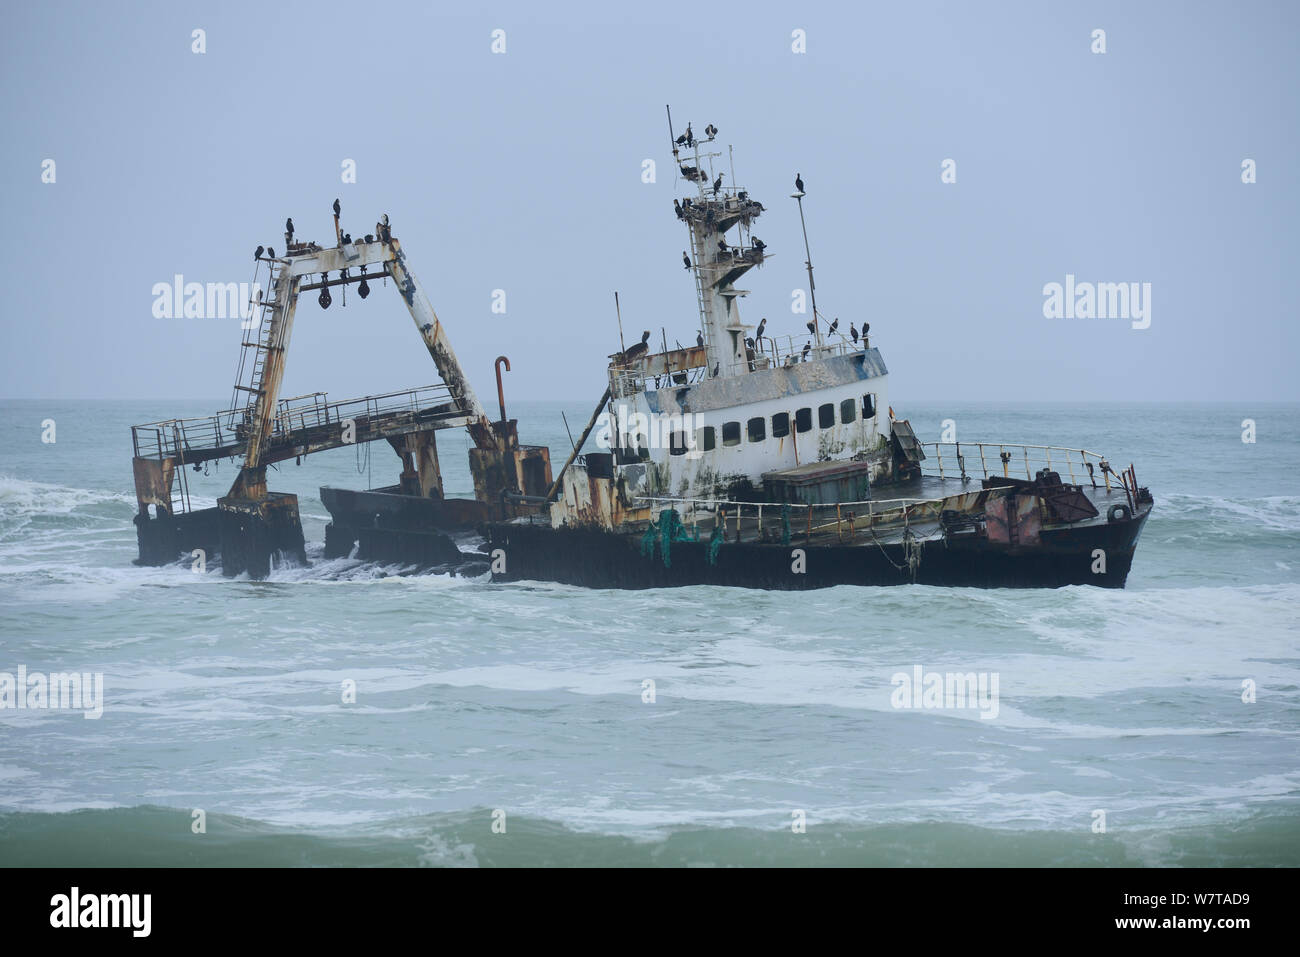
[[626, 382], [171, 437], [1027, 458], [710, 503], [836, 345], [759, 521]]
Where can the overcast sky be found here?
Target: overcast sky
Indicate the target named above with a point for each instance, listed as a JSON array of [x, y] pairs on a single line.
[[522, 172]]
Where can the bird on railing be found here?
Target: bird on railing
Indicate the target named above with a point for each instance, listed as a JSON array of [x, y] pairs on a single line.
[[638, 348], [853, 331], [798, 183], [812, 327], [257, 254], [686, 260]]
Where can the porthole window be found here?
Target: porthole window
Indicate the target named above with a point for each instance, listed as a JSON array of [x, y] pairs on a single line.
[[826, 415], [731, 433], [756, 427], [803, 420], [848, 411], [780, 425]]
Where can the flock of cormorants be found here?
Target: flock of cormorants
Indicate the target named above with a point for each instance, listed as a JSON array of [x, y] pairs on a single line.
[[381, 229]]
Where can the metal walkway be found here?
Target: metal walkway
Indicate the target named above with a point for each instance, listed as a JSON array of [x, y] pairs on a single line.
[[301, 425]]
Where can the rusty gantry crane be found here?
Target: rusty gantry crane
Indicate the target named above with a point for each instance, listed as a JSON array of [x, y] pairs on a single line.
[[250, 524]]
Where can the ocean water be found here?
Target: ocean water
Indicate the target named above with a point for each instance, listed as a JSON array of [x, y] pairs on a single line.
[[772, 737]]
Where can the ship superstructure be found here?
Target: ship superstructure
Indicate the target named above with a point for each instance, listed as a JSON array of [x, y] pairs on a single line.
[[749, 403], [720, 460]]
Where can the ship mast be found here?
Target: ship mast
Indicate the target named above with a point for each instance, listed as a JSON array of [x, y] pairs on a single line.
[[812, 286], [716, 263]]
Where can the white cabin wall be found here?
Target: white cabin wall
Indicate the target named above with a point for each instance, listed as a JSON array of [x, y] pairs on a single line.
[[705, 474]]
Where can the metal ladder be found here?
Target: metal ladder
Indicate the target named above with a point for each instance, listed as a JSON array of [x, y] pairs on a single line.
[[701, 299], [259, 344]]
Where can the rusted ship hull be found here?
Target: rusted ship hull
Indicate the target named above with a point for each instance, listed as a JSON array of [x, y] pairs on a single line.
[[595, 558]]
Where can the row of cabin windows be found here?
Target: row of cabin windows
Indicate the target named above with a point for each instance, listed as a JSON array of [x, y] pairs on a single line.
[[756, 428]]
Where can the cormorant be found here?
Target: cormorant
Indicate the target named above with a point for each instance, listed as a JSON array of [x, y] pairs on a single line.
[[835, 325], [749, 342], [710, 131], [347, 238], [866, 327], [677, 208], [807, 347], [759, 244], [699, 339], [288, 228], [715, 369], [258, 253], [270, 253], [369, 238], [717, 184], [681, 140], [853, 331], [812, 327], [337, 207], [722, 244], [761, 326], [798, 183], [690, 137], [686, 259]]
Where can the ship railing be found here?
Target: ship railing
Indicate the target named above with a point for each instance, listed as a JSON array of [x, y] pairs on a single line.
[[780, 350], [769, 352], [174, 438], [984, 459], [171, 437], [792, 522], [313, 410], [628, 382]]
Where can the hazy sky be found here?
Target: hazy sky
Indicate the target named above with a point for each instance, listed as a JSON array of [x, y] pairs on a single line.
[[522, 172]]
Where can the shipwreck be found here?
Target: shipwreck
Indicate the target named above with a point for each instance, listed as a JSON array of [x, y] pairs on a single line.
[[747, 459]]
